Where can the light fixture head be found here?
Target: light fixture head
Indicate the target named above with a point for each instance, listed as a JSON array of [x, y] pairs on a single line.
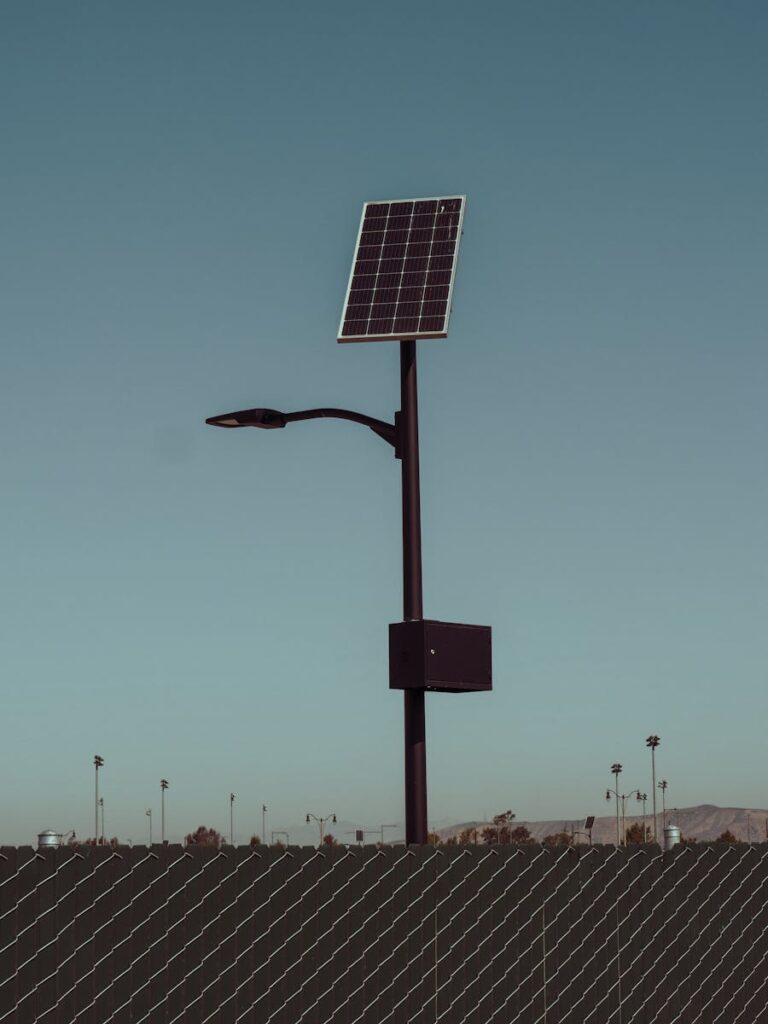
[[267, 419]]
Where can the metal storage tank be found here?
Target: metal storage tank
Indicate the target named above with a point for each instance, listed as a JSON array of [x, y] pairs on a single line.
[[671, 836], [49, 838]]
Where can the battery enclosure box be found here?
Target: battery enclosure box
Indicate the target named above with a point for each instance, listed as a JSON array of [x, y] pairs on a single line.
[[447, 657]]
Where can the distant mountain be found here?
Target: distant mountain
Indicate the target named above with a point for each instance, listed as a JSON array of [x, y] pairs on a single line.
[[703, 822]]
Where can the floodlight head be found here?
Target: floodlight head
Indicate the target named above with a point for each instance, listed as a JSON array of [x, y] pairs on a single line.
[[616, 768], [652, 742], [307, 819], [267, 419], [333, 819]]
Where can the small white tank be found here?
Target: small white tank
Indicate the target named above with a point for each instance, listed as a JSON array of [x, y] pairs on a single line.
[[671, 836]]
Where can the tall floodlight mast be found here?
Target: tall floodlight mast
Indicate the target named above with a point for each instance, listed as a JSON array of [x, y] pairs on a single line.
[[400, 289]]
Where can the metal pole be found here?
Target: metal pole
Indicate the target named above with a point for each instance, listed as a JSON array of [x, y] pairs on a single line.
[[624, 819], [653, 776], [618, 819], [653, 742], [413, 700], [96, 821], [264, 824], [231, 819], [645, 833], [163, 787], [101, 804]]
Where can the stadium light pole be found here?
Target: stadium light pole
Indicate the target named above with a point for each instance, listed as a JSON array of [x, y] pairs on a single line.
[[264, 824], [652, 742], [231, 819], [98, 762], [403, 435]]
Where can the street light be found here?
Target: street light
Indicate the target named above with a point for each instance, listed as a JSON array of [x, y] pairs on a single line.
[[148, 813], [464, 652], [101, 805], [616, 770], [231, 819], [321, 822], [264, 823], [163, 787], [642, 797], [98, 762], [653, 742]]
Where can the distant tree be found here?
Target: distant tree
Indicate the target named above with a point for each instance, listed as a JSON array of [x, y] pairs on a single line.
[[255, 841], [637, 833], [558, 839], [688, 840], [433, 839], [521, 836], [100, 841], [467, 836], [727, 837], [499, 833], [330, 840], [203, 836], [278, 843]]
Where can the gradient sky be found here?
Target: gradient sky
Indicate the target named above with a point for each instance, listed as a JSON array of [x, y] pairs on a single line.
[[181, 188]]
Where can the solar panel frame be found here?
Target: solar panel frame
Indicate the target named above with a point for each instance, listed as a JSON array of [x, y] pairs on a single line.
[[400, 335]]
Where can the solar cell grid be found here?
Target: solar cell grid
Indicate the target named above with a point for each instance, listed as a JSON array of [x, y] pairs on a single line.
[[402, 274]]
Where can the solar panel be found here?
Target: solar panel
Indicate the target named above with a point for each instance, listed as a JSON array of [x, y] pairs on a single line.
[[402, 274]]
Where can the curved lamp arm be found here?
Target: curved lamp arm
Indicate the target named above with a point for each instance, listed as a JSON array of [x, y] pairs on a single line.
[[271, 419]]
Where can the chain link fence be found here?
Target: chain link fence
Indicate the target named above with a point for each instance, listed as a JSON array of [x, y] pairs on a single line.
[[458, 935]]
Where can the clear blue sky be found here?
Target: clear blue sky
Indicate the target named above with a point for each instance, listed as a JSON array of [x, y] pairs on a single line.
[[181, 187]]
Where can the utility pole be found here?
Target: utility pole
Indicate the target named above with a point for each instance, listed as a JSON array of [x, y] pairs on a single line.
[[663, 787], [163, 787], [653, 742], [98, 762]]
